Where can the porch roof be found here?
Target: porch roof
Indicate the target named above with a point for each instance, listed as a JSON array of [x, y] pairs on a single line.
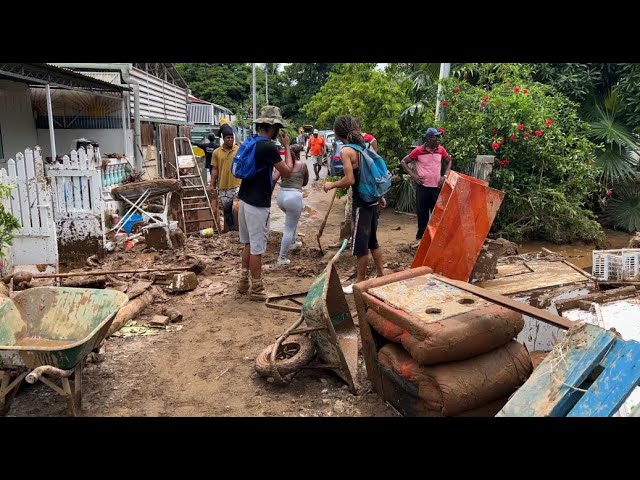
[[42, 73]]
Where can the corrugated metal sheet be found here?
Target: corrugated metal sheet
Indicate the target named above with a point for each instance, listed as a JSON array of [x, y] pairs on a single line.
[[200, 113], [110, 77], [160, 99]]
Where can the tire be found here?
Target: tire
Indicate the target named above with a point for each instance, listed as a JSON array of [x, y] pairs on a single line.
[[300, 352]]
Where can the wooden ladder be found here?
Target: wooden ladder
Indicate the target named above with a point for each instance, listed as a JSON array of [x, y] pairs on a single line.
[[194, 197]]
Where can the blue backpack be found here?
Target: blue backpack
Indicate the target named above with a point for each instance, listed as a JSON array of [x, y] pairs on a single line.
[[244, 164], [375, 178]]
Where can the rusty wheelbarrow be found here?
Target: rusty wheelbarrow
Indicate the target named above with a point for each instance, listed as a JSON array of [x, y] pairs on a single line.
[[48, 332], [330, 331]]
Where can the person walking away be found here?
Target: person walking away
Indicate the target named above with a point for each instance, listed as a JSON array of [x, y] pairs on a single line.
[[346, 224], [290, 201], [364, 215], [318, 147], [431, 159], [227, 185], [255, 199]]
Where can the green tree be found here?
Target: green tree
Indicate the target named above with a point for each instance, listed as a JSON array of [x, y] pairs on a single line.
[[297, 84], [227, 84], [544, 158], [376, 98], [8, 223]]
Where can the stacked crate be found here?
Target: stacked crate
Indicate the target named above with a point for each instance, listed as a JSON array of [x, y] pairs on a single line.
[[432, 349]]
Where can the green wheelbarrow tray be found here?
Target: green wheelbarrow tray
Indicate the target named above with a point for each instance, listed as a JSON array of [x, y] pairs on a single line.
[[51, 330], [330, 325]]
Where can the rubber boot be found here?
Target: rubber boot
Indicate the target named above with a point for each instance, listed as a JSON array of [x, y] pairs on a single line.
[[258, 293], [243, 284]]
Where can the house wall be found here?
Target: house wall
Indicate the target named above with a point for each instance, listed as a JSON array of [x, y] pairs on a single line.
[[17, 125], [110, 140]]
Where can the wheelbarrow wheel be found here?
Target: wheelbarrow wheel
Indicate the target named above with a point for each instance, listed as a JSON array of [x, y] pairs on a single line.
[[294, 353]]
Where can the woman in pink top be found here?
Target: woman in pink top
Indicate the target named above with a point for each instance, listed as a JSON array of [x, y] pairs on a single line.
[[430, 159]]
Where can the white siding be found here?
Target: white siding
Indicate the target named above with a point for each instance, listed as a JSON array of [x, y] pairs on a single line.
[[17, 124], [159, 99]]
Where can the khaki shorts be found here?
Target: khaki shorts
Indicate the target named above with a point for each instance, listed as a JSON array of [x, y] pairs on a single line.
[[254, 227], [317, 159]]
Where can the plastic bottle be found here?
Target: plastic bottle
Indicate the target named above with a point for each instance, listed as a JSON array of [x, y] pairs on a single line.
[[207, 232]]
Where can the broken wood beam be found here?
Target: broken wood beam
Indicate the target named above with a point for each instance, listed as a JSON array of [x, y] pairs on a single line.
[[547, 317], [114, 272], [132, 309]]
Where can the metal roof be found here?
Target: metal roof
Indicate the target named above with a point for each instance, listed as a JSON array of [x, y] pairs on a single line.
[[42, 73]]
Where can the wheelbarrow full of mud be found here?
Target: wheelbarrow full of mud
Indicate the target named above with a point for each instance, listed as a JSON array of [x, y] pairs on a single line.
[[47, 332], [330, 335]]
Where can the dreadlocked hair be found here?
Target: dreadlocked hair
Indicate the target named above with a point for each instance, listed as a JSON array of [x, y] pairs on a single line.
[[348, 128]]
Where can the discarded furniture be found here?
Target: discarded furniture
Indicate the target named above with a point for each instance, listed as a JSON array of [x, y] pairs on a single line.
[[48, 332], [458, 226], [590, 373], [424, 337]]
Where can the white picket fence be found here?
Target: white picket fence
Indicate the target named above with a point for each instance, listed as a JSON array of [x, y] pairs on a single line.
[[76, 185], [34, 245]]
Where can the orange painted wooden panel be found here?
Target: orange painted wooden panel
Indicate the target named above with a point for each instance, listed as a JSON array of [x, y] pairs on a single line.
[[458, 226]]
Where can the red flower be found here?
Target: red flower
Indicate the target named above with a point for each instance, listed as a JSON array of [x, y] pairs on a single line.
[[443, 103], [609, 193], [516, 89], [494, 131], [538, 133], [456, 90], [548, 122], [513, 137], [525, 91], [486, 98], [527, 134], [501, 141], [495, 145], [483, 105], [520, 126]]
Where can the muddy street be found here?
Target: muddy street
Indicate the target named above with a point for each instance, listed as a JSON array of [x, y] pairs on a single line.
[[203, 364]]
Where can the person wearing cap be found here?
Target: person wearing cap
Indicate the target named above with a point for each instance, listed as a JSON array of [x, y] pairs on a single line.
[[318, 147], [227, 185], [208, 148], [255, 199], [432, 167]]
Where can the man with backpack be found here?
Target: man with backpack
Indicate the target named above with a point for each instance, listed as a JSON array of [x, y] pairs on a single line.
[[254, 164], [431, 159], [365, 202]]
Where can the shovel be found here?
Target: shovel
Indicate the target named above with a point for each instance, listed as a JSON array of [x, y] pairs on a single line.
[[324, 222]]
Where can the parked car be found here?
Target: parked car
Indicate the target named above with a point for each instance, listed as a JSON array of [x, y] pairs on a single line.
[[335, 161]]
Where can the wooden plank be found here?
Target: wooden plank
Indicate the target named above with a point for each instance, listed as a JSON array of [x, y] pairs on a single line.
[[21, 182], [552, 389], [597, 297], [620, 377], [15, 194], [552, 275], [547, 317], [32, 192]]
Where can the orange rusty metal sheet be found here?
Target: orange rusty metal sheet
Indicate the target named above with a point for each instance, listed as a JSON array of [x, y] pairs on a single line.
[[458, 226]]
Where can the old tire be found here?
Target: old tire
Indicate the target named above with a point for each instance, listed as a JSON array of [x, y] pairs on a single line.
[[294, 353]]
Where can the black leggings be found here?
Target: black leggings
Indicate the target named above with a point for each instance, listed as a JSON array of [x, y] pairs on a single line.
[[425, 201]]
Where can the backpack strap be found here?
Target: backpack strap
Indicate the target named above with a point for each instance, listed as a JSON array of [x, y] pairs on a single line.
[[355, 146]]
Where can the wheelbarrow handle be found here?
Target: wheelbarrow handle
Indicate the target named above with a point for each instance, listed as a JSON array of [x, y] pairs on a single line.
[[37, 372]]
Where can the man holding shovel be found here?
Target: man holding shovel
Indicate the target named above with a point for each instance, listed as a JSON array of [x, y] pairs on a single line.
[[364, 215]]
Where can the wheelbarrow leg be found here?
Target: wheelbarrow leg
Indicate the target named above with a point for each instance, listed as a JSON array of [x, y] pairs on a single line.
[[8, 390], [69, 396], [77, 385]]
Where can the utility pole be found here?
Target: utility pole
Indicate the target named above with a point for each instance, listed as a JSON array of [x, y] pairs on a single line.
[[253, 72], [266, 83], [445, 68]]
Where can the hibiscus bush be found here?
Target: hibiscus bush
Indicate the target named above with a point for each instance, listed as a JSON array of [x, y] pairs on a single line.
[[544, 160]]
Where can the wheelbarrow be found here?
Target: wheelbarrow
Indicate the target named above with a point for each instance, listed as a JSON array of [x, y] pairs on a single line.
[[330, 332], [48, 332]]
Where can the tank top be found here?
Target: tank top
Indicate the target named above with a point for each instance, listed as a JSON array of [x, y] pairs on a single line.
[[294, 181]]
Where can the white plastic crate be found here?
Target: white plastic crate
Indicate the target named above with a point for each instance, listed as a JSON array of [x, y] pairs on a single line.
[[631, 264], [607, 264]]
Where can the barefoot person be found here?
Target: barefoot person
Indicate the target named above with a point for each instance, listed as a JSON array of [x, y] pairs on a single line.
[[364, 215]]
